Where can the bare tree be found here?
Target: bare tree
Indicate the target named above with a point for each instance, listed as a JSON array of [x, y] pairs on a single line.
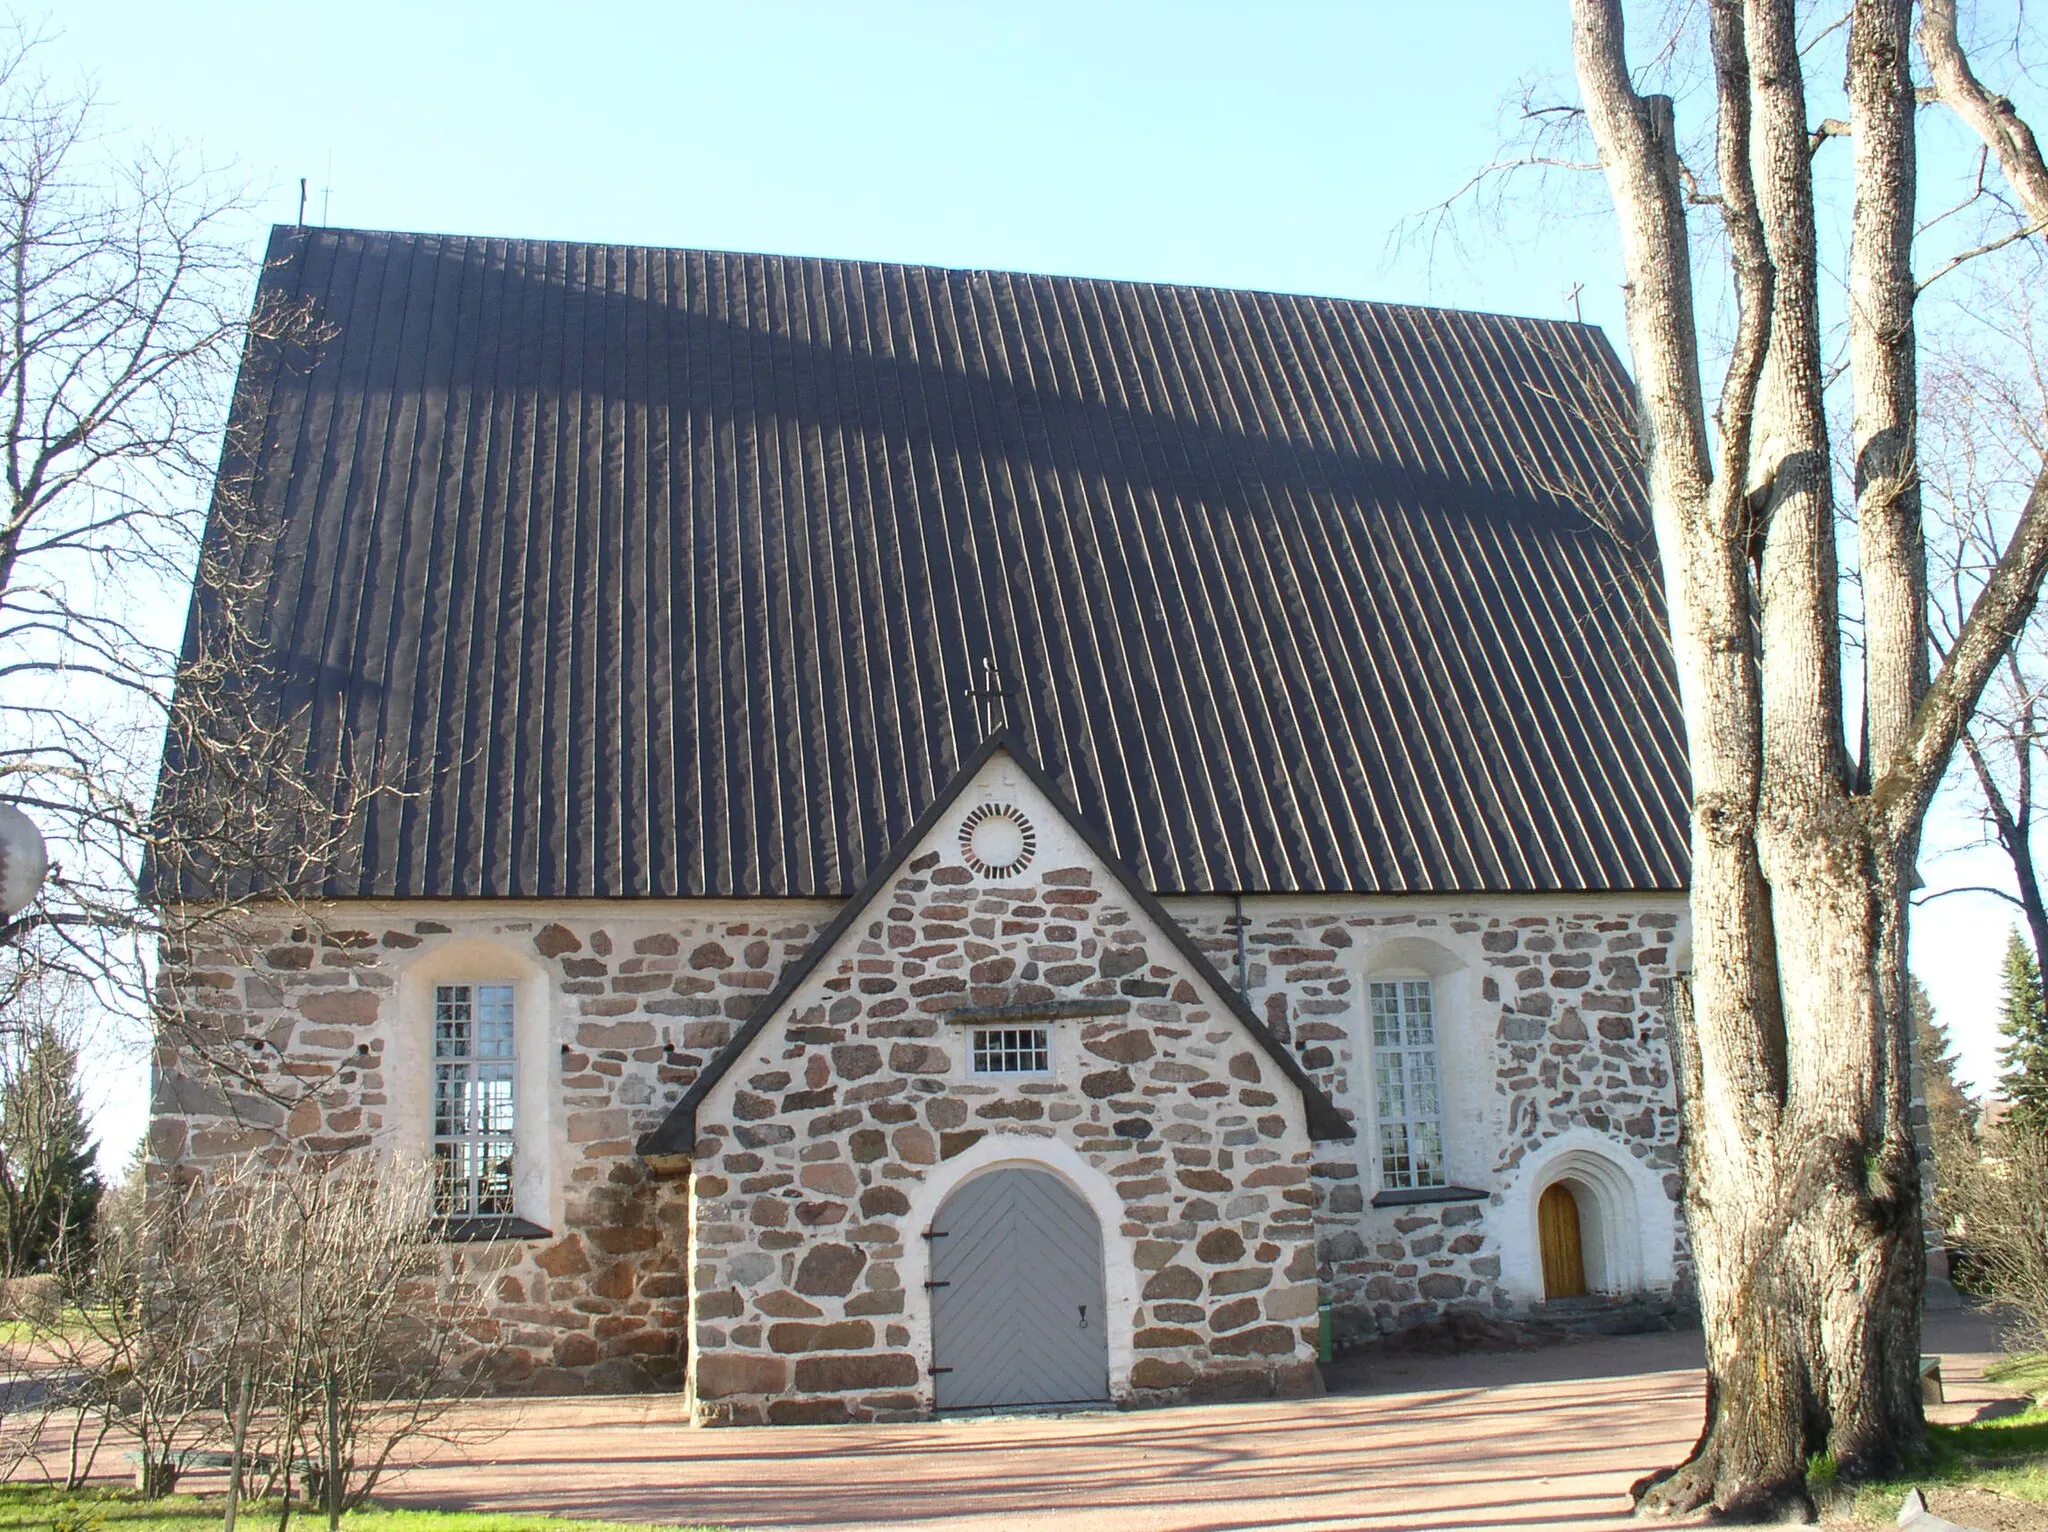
[[1794, 1029], [135, 1348], [294, 1316], [164, 769], [1984, 430], [1998, 1208], [122, 307], [353, 1343]]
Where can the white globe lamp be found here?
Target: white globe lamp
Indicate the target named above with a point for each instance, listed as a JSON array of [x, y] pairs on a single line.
[[24, 859]]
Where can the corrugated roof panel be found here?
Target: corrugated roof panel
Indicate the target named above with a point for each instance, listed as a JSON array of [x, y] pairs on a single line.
[[656, 572]]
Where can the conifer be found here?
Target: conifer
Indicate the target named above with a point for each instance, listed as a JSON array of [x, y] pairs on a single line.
[[49, 1186], [1951, 1114], [2023, 1024]]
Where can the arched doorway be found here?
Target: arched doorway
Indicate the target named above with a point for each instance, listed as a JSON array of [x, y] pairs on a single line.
[[1564, 1256], [1017, 1294]]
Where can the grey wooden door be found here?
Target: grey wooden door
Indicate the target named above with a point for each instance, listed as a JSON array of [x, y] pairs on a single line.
[[1017, 1294]]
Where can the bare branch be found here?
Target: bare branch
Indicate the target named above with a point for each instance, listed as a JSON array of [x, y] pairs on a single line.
[[1830, 127], [1931, 895], [1963, 258], [2004, 132]]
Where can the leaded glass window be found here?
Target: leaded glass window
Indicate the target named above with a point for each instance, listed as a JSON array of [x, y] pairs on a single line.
[[473, 1099], [1409, 1096], [1012, 1051]]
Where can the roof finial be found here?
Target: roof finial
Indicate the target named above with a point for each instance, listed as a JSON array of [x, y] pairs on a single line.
[[991, 698]]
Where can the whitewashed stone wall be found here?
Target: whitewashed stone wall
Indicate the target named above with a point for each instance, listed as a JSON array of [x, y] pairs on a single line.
[[1551, 1020], [822, 1156], [1552, 1032], [619, 1006]]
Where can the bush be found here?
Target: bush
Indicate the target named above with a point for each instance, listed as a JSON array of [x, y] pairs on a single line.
[[293, 1315], [1997, 1212], [38, 1299]]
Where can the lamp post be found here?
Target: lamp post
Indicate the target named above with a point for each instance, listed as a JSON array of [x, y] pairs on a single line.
[[24, 859]]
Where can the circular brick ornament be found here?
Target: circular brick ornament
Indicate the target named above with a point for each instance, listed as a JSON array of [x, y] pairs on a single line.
[[997, 841]]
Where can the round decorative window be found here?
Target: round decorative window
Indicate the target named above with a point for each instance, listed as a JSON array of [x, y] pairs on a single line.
[[997, 841]]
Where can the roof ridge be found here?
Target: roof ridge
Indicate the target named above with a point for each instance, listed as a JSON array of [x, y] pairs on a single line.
[[1393, 304]]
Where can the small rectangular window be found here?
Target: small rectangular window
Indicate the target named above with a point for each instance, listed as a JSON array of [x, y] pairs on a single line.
[[1405, 1083], [473, 1099], [1012, 1051]]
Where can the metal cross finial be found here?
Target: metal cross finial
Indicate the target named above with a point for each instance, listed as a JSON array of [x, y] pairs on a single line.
[[991, 698]]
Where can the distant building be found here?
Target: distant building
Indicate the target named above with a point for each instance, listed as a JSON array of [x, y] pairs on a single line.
[[1992, 1115]]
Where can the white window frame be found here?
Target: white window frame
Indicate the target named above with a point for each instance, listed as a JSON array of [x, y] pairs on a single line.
[[1042, 1048], [475, 1100], [1407, 1082]]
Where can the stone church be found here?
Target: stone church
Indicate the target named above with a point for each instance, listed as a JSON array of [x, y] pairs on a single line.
[[952, 839]]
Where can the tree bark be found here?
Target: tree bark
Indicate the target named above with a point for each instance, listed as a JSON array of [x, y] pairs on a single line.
[[1802, 1183]]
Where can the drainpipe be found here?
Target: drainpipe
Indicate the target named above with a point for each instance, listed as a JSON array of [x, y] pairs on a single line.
[[1243, 968]]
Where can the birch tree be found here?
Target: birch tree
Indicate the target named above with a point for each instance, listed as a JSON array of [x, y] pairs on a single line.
[[1793, 1031]]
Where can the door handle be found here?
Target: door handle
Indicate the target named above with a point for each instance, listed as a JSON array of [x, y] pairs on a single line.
[[1084, 1316]]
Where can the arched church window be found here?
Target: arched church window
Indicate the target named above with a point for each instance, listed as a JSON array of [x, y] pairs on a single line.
[[474, 1099], [1407, 1084]]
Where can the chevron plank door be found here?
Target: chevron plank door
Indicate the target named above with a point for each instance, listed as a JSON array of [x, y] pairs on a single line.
[[1017, 1294]]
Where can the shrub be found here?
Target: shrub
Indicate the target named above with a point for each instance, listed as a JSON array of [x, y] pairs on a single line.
[[1997, 1211]]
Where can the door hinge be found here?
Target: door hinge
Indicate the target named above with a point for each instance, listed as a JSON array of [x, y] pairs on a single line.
[[935, 1371], [938, 1284], [933, 1234]]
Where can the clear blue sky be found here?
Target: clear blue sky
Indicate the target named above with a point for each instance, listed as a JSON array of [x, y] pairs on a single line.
[[1270, 145], [1279, 144]]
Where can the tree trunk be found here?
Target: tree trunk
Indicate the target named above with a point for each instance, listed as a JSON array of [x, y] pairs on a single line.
[[336, 1479], [1794, 1029], [238, 1441], [1808, 1247]]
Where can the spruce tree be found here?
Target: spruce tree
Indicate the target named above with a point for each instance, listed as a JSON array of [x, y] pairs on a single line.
[[1951, 1114], [49, 1186], [2023, 1023]]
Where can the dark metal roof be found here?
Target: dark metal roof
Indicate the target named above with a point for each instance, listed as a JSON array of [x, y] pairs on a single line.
[[676, 1134], [670, 572]]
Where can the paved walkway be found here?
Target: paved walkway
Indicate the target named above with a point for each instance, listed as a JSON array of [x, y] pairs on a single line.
[[1543, 1439]]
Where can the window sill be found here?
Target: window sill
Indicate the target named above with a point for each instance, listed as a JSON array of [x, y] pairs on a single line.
[[473, 1230], [1417, 1196]]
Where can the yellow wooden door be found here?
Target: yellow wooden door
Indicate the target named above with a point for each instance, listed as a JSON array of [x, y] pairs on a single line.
[[1564, 1262]]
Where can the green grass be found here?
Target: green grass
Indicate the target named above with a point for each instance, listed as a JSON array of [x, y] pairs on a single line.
[[2008, 1456], [2028, 1373], [96, 1510], [69, 1325]]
